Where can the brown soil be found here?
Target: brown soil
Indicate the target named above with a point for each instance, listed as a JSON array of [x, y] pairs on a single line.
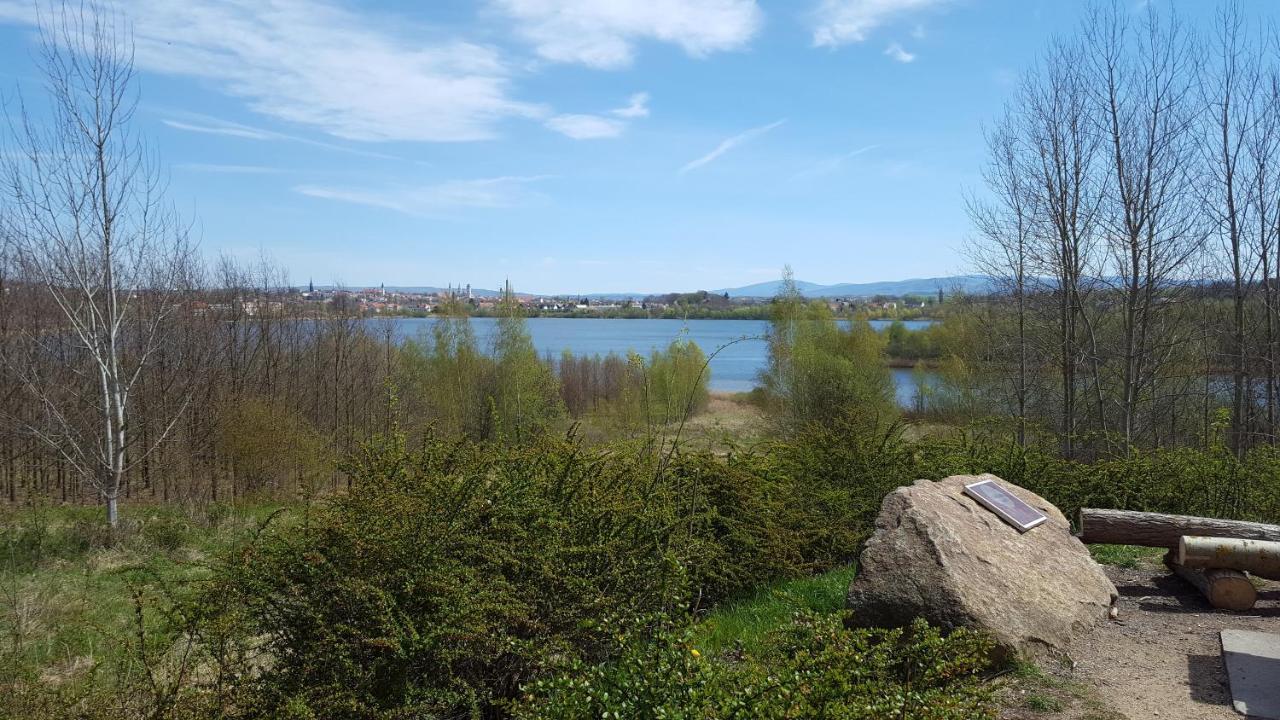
[[1160, 659]]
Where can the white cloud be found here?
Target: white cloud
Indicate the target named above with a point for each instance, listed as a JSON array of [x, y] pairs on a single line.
[[593, 127], [586, 127], [17, 11], [896, 52], [603, 33], [728, 144], [637, 107], [839, 22], [358, 76], [437, 199]]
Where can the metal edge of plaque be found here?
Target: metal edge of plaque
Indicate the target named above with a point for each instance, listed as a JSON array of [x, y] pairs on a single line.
[[1000, 512]]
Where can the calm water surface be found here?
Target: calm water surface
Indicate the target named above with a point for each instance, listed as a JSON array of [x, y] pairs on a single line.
[[739, 346]]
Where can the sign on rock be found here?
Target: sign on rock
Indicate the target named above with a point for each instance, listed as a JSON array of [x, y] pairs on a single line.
[[1009, 507]]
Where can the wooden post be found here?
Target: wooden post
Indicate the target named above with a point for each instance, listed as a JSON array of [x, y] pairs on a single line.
[[1225, 589], [1259, 557], [1124, 527]]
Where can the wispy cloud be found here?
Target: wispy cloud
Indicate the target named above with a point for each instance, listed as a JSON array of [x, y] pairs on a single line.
[[730, 143], [896, 52], [637, 107], [207, 125], [839, 22], [17, 11], [361, 76], [603, 33], [436, 199], [229, 169], [228, 129], [831, 164], [592, 127]]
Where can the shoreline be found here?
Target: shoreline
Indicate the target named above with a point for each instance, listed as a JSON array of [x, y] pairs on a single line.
[[593, 316]]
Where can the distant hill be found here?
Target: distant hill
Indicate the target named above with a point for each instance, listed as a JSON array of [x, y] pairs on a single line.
[[913, 286], [896, 288]]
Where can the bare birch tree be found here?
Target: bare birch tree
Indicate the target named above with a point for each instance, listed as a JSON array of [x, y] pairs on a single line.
[[93, 233]]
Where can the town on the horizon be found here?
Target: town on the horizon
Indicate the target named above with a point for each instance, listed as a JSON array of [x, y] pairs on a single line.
[[729, 304], [751, 301]]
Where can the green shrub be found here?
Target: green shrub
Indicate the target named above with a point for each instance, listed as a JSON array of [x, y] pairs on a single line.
[[676, 382], [165, 531], [819, 371], [525, 397], [453, 574], [1187, 481], [657, 674], [814, 668], [636, 394]]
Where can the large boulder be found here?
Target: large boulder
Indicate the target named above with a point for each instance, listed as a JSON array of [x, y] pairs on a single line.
[[936, 553]]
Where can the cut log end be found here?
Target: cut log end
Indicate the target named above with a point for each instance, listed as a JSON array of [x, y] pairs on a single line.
[[1224, 588]]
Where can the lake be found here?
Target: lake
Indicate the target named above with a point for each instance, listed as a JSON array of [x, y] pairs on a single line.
[[739, 345]]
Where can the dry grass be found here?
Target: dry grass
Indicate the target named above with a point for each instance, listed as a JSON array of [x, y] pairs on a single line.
[[729, 420]]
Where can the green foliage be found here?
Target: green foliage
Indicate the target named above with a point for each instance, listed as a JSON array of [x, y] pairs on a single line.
[[1184, 481], [657, 674], [267, 444], [748, 623], [453, 574], [637, 394], [459, 391], [813, 668], [676, 382], [904, 343], [819, 371], [450, 575], [165, 531], [525, 397], [445, 377], [97, 624]]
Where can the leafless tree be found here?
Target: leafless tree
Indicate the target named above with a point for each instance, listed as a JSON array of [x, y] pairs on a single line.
[[93, 233], [1227, 88], [1060, 133], [1002, 251], [1142, 86], [1262, 147]]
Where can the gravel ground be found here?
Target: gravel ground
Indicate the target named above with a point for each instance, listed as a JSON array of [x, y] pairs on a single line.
[[1161, 658]]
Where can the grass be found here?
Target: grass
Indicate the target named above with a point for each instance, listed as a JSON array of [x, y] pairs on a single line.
[[730, 420], [1126, 556], [70, 587], [1043, 703], [746, 622]]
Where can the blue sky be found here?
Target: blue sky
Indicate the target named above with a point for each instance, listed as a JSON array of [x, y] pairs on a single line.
[[575, 145]]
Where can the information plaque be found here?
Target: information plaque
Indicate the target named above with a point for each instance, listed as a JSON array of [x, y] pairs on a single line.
[[1008, 506]]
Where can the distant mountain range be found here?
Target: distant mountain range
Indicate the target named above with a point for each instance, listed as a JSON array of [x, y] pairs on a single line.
[[896, 288]]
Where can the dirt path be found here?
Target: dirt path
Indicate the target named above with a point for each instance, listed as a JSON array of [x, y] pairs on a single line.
[[1160, 659]]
